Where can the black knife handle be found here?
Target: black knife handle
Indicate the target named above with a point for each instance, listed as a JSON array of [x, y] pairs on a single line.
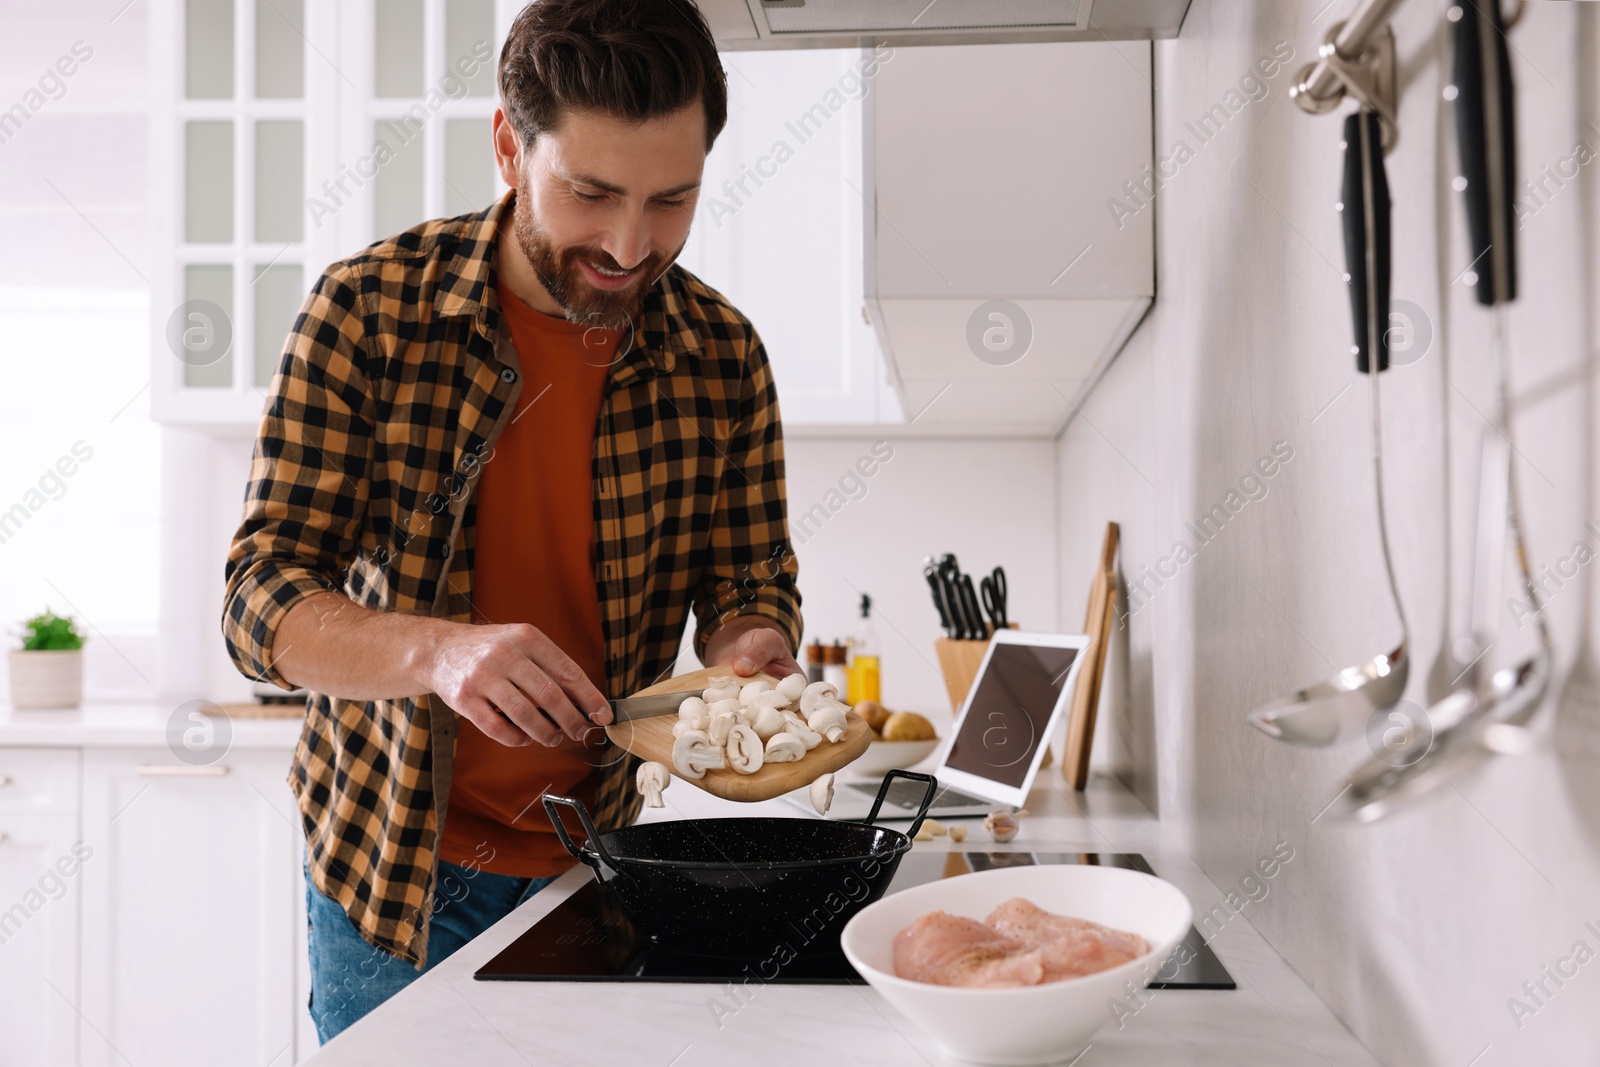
[[1486, 136], [938, 600], [1364, 200]]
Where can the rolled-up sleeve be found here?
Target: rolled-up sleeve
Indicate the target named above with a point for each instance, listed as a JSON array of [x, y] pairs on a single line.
[[752, 569], [309, 476]]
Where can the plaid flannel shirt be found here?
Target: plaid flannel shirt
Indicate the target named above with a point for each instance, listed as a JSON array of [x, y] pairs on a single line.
[[395, 382]]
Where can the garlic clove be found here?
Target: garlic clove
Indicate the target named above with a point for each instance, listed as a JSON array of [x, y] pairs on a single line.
[[1003, 825], [958, 833]]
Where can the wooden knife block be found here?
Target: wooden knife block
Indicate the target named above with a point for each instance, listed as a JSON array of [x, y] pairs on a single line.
[[958, 662]]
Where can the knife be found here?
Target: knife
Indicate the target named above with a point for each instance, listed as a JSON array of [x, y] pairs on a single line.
[[646, 707]]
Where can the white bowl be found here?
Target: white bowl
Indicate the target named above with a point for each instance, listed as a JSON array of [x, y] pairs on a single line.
[[881, 757], [1047, 1023]]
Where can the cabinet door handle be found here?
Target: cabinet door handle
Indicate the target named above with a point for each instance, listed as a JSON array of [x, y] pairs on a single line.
[[4, 838], [167, 770], [5, 780]]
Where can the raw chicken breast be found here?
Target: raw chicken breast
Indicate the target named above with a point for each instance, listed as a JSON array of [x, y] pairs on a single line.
[[952, 950], [1067, 947]]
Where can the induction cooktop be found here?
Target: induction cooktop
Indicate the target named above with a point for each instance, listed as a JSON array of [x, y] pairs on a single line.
[[587, 938]]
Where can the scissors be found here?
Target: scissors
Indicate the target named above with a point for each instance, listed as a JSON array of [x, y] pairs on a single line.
[[994, 597]]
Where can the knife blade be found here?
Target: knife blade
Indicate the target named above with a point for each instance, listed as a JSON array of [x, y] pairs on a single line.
[[646, 707]]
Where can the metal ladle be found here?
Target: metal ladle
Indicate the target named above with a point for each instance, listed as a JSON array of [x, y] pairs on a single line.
[[1490, 717], [1341, 705], [1474, 722]]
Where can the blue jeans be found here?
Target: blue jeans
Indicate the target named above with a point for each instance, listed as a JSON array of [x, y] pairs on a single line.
[[350, 977]]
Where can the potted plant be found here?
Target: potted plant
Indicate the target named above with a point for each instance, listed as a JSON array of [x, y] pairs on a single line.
[[47, 671]]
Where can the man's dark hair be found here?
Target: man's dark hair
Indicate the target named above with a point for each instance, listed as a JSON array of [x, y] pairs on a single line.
[[630, 59]]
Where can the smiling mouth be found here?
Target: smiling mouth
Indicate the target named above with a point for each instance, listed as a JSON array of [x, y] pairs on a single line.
[[607, 272]]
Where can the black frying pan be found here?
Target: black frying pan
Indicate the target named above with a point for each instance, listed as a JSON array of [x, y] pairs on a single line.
[[735, 886]]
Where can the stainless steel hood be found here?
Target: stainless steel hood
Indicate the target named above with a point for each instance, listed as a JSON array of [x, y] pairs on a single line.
[[756, 24]]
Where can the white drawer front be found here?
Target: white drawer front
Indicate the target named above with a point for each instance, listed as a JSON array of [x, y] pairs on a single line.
[[38, 781]]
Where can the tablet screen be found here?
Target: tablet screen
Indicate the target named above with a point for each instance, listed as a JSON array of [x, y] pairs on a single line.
[[1010, 712]]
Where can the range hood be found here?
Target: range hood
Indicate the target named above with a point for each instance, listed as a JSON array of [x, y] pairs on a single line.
[[755, 24], [1009, 234]]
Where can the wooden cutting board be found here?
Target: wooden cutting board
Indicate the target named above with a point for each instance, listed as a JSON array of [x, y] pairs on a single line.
[[652, 739]]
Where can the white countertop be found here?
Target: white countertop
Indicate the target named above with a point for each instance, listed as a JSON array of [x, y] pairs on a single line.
[[125, 725], [449, 1017]]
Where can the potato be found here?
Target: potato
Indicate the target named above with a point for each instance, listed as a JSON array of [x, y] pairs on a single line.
[[874, 713], [907, 726]]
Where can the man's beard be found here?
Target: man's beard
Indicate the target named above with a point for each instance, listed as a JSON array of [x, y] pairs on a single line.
[[558, 271]]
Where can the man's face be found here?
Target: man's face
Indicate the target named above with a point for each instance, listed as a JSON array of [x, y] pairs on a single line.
[[603, 206]]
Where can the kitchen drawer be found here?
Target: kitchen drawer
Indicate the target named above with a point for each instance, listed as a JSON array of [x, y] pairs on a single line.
[[38, 780]]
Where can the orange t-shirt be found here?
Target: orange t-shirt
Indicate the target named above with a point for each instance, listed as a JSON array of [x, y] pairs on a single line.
[[534, 563]]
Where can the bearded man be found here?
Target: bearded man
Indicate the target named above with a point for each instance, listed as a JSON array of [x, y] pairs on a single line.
[[504, 456]]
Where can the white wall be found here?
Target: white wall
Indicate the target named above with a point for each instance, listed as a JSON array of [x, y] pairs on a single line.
[[1416, 930], [991, 502]]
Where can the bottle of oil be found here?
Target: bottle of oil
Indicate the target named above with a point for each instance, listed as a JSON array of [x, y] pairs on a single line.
[[864, 680]]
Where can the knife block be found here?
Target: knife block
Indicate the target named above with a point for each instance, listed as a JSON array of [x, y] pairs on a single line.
[[958, 662]]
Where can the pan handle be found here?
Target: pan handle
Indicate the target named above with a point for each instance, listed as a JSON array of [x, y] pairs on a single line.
[[593, 859], [927, 799]]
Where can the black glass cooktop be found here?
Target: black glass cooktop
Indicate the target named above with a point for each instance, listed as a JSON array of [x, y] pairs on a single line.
[[587, 938]]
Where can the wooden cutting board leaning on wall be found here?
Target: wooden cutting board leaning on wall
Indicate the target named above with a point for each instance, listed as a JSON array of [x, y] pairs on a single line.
[[1086, 698]]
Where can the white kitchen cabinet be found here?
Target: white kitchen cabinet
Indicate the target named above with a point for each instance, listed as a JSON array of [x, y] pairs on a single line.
[[41, 871], [778, 229], [189, 930]]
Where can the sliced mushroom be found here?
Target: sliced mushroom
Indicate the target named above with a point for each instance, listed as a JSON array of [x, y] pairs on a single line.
[[693, 755], [784, 748], [769, 721], [794, 724], [816, 695], [829, 721], [651, 780], [693, 710], [745, 751], [721, 687], [730, 705], [767, 698], [684, 726], [791, 687], [750, 690], [822, 794], [722, 724]]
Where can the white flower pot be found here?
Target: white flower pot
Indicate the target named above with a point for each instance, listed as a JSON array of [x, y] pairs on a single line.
[[46, 679]]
